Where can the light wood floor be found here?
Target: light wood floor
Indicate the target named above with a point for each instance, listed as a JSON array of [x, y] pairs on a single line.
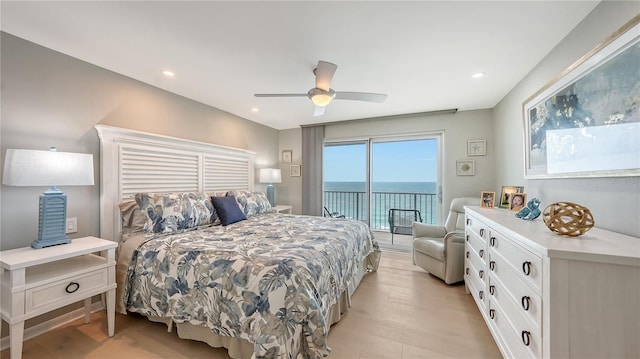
[[398, 312]]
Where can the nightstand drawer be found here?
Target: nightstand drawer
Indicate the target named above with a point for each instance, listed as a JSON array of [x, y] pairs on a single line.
[[65, 291]]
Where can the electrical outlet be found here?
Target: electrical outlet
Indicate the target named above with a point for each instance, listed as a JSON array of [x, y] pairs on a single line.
[[72, 225]]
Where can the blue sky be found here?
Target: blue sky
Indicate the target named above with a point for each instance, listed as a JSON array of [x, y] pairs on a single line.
[[406, 161]]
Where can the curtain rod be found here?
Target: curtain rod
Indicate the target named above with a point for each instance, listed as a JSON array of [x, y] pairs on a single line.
[[426, 113]]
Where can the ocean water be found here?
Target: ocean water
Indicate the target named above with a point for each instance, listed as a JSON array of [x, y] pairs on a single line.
[[394, 187], [348, 198]]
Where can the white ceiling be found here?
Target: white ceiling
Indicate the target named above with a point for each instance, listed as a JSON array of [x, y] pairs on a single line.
[[422, 53]]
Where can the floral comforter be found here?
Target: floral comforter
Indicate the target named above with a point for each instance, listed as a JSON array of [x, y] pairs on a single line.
[[270, 280]]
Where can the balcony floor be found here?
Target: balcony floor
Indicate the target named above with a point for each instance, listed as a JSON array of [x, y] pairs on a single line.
[[401, 242]]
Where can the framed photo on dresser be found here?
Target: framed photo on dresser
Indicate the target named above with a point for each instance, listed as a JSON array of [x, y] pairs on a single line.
[[507, 191], [487, 199], [517, 201]]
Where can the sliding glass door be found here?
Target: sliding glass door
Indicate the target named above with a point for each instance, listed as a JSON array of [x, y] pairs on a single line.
[[365, 179], [346, 182], [404, 176]]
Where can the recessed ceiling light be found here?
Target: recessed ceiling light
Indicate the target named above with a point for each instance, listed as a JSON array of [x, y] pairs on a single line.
[[478, 75], [168, 73], [254, 109]]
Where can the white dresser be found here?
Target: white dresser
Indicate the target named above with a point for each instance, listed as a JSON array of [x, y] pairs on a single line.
[[551, 296]]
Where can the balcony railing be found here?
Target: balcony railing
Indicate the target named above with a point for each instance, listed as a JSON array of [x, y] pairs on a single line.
[[355, 205]]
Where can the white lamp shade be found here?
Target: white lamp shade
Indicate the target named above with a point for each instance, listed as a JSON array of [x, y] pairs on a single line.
[[270, 175], [47, 168]]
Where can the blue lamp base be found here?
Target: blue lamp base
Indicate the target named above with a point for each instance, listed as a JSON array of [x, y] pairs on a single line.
[[271, 194], [52, 224]]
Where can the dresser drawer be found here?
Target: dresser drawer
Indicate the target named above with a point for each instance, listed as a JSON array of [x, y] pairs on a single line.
[[506, 281], [518, 317], [478, 263], [517, 344], [526, 264], [475, 225], [475, 242], [475, 284], [68, 290]]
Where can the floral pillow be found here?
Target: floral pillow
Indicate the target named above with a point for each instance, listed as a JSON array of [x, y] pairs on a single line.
[[175, 212], [251, 203]]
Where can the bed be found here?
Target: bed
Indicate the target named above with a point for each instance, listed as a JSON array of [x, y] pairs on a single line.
[[202, 252]]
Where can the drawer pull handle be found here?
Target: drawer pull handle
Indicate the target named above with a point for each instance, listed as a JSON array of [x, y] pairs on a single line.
[[467, 238], [481, 253], [72, 287], [481, 273], [526, 302], [467, 254], [466, 270], [492, 313], [481, 294], [526, 338], [492, 290], [492, 241], [526, 268], [468, 221], [481, 232], [492, 265]]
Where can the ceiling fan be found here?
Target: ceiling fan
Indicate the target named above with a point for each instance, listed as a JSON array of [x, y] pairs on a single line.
[[323, 94]]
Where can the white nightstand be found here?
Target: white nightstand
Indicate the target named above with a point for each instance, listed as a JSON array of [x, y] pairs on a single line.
[[282, 209], [36, 281]]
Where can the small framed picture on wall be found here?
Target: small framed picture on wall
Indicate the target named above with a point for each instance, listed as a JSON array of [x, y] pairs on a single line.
[[465, 167], [286, 156], [477, 148], [294, 170]]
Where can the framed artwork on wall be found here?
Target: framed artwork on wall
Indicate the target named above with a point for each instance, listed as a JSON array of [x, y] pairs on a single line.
[[505, 196], [465, 167], [286, 156], [586, 123], [294, 170], [477, 148]]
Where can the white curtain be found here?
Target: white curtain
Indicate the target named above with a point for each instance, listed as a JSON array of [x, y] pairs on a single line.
[[312, 143]]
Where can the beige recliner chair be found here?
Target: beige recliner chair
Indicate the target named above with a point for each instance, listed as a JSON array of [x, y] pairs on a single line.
[[440, 249]]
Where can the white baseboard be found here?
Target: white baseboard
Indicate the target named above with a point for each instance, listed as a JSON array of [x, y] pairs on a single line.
[[39, 329]]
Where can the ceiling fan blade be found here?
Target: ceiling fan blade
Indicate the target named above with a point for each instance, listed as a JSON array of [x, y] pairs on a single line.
[[361, 96], [280, 95], [324, 73], [319, 110]]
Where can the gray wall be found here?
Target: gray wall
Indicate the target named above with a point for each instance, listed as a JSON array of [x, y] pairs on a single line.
[[614, 202], [289, 192], [51, 99]]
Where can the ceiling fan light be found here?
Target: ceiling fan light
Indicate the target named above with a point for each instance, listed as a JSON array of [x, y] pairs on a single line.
[[321, 99]]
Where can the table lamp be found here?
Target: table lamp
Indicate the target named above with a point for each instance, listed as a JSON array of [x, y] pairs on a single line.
[[49, 168], [270, 176]]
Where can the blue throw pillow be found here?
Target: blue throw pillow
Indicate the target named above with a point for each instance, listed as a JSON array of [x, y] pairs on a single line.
[[228, 210]]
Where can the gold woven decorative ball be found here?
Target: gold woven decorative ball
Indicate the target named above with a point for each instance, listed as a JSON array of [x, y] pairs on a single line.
[[568, 218]]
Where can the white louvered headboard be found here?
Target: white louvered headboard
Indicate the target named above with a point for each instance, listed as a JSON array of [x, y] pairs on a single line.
[[133, 161]]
